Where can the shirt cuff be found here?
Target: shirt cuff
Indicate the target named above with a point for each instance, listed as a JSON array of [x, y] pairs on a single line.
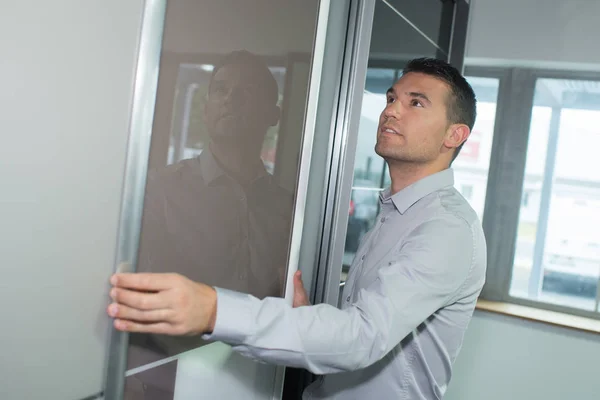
[[235, 317]]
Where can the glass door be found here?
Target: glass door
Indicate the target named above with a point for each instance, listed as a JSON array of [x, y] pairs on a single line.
[[226, 178]]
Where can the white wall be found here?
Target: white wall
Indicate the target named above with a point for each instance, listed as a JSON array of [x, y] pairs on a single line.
[[66, 79], [549, 33], [508, 358]]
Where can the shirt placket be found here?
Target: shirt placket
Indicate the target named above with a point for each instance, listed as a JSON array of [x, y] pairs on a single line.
[[365, 256]]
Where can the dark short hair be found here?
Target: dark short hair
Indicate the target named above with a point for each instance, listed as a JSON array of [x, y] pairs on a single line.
[[244, 58], [461, 105]]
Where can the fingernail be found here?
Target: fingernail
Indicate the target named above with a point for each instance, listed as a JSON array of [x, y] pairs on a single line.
[[119, 324], [113, 279], [113, 293], [113, 310]]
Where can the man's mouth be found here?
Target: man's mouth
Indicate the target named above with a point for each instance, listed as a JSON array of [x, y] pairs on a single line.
[[387, 129]]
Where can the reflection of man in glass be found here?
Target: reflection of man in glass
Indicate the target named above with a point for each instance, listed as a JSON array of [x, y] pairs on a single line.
[[220, 218]]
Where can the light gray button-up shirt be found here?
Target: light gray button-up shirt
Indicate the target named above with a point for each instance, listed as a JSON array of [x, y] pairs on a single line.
[[409, 297]]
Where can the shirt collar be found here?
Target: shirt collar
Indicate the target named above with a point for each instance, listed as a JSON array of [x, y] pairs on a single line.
[[212, 171], [411, 194]]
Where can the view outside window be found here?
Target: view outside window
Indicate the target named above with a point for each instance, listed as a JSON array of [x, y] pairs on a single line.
[[370, 171], [369, 168], [471, 167], [557, 257]]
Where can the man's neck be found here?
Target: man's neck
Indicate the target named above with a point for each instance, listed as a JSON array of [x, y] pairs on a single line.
[[405, 174], [238, 161]]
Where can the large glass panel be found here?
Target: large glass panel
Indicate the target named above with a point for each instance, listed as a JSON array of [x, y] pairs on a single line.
[[471, 167], [557, 256], [393, 43], [222, 177], [432, 17]]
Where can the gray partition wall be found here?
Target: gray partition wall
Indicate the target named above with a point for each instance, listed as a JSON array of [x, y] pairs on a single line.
[[66, 83]]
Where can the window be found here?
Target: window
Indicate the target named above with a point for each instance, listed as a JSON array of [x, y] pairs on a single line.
[[525, 200], [473, 162], [370, 171], [542, 220], [553, 260]]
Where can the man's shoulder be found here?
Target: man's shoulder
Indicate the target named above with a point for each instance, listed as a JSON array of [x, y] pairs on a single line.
[[457, 210], [173, 174], [448, 216], [174, 171], [450, 204]]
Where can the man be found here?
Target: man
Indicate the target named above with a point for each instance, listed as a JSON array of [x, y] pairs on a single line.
[[411, 290], [218, 218]]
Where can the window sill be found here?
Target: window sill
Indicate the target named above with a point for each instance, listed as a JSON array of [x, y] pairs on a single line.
[[538, 315]]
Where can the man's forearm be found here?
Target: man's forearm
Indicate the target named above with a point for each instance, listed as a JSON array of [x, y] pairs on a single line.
[[322, 338]]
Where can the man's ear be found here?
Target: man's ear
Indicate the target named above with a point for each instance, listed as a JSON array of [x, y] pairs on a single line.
[[456, 135]]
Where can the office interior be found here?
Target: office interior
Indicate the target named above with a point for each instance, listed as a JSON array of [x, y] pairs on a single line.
[[105, 125]]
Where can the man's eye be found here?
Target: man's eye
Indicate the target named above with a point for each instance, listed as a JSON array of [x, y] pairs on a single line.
[[390, 100], [416, 103]]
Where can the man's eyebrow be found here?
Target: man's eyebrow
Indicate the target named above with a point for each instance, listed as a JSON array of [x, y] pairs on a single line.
[[419, 95]]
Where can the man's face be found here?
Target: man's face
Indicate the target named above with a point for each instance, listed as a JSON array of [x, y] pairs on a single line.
[[239, 106], [414, 123]]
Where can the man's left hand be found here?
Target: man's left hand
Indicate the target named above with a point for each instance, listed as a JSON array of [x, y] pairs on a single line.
[[168, 304]]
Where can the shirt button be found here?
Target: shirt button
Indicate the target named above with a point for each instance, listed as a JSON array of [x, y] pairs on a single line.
[[348, 299], [362, 258], [382, 220]]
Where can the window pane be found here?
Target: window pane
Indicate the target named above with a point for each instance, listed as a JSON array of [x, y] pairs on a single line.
[[557, 256], [472, 164], [369, 168]]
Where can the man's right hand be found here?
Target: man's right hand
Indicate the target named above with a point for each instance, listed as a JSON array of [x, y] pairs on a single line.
[[300, 295], [168, 304]]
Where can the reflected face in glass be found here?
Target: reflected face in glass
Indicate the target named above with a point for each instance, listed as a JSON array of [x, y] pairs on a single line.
[[241, 104], [413, 125]]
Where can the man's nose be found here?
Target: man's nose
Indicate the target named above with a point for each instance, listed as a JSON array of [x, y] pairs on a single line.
[[391, 111]]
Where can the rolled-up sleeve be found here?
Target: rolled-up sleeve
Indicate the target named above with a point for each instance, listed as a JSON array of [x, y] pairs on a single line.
[[425, 274]]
